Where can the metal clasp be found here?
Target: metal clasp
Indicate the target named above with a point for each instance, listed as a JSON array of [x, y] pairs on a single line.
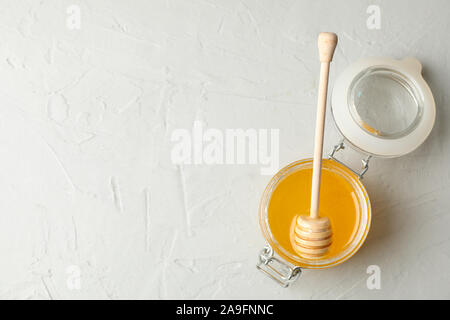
[[365, 162], [280, 271]]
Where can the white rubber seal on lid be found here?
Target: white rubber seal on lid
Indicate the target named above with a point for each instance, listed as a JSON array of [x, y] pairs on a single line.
[[383, 106]]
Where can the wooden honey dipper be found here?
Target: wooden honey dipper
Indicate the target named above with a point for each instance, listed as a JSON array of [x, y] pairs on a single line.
[[312, 234]]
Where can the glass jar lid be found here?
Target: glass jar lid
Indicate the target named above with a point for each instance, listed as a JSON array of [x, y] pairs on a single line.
[[383, 106]]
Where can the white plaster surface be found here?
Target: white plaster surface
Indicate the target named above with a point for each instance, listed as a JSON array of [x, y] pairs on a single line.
[[86, 115]]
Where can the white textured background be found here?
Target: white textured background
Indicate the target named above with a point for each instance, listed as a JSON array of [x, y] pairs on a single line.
[[85, 123]]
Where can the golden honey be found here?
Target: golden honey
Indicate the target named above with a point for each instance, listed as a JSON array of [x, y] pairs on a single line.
[[338, 201]]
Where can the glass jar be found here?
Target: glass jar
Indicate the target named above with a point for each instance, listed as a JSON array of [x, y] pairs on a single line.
[[383, 108], [269, 263]]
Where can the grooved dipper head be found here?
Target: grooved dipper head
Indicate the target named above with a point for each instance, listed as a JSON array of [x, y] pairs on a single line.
[[312, 236]]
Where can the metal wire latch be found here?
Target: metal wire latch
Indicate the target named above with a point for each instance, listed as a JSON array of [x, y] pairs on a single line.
[[365, 162], [280, 271]]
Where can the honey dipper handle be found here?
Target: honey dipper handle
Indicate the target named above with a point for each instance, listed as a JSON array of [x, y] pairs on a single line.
[[327, 43]]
